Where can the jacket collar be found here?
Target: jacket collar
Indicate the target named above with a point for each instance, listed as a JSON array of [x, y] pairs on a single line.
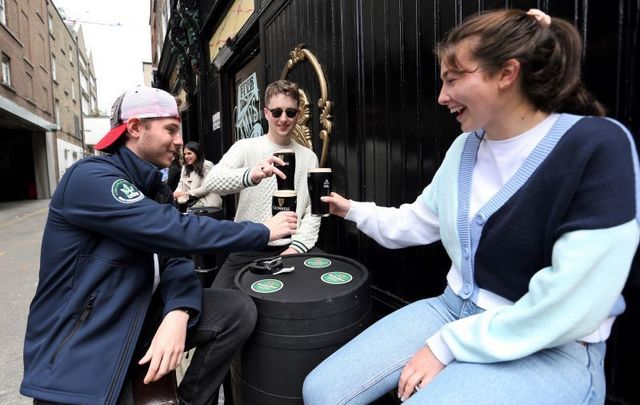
[[144, 175]]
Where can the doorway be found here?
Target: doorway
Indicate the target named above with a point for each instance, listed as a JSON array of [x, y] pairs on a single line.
[[17, 173]]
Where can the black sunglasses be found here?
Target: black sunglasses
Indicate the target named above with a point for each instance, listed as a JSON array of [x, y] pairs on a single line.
[[277, 112]]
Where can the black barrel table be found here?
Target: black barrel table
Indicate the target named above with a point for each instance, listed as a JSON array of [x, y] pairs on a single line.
[[303, 317]]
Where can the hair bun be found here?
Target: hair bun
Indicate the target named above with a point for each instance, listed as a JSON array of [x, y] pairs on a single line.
[[540, 16]]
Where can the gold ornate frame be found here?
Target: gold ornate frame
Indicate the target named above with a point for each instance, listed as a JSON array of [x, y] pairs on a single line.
[[302, 133]]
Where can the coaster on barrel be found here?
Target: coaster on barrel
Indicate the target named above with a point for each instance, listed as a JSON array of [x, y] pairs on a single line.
[[267, 285], [317, 262], [336, 277]]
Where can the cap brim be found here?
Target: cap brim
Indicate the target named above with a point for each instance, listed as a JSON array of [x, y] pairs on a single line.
[[111, 137]]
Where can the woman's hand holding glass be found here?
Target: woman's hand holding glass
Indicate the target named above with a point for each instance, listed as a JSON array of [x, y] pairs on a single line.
[[338, 205]]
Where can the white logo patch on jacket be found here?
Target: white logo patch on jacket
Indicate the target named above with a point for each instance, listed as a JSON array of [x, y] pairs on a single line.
[[125, 192]]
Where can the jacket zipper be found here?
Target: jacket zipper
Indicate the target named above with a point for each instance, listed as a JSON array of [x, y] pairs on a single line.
[[121, 365], [86, 310]]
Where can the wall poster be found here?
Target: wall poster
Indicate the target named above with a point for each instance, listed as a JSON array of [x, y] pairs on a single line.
[[248, 111]]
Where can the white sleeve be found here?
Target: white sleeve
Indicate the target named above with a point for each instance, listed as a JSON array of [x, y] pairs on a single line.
[[202, 190], [307, 235], [394, 228], [181, 186], [231, 174]]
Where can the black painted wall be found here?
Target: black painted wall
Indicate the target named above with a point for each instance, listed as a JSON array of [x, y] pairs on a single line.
[[389, 135]]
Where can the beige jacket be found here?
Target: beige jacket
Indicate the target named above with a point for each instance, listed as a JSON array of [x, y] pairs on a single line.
[[192, 184]]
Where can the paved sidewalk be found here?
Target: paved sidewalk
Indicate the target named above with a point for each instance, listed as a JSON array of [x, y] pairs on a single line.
[[21, 227]]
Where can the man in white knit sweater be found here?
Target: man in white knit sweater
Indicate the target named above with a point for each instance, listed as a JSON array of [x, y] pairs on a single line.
[[248, 168]]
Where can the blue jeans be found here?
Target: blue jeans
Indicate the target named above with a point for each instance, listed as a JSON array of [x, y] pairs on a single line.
[[370, 365]]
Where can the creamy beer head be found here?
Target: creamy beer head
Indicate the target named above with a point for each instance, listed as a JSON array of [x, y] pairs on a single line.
[[283, 200], [283, 151]]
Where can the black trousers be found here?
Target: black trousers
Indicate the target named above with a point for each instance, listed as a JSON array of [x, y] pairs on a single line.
[[228, 318], [237, 260]]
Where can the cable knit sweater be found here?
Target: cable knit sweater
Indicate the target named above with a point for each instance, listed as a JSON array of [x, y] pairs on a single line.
[[231, 175]]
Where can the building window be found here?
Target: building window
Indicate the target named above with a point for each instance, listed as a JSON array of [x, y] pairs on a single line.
[[3, 14], [73, 89], [56, 108], [53, 67], [6, 70], [76, 122], [23, 31], [29, 87], [83, 82], [85, 106], [71, 55], [50, 23], [45, 99], [44, 55]]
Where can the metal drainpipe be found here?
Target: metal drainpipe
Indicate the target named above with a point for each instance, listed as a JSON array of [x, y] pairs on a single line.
[[80, 93], [54, 152]]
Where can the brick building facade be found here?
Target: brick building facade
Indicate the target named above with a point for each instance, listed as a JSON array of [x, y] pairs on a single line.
[[47, 87], [66, 91], [27, 144]]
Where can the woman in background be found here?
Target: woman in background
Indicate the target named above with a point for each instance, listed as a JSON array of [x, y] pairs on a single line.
[[195, 169]]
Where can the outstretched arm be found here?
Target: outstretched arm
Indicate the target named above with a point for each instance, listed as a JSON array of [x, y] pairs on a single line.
[[409, 225]]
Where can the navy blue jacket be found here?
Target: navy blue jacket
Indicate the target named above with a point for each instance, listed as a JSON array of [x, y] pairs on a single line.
[[97, 272]]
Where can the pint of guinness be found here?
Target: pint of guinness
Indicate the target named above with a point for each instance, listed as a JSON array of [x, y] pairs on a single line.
[[289, 169], [283, 200], [319, 183]]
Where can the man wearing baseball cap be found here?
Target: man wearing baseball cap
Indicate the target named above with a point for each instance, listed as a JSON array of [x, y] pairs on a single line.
[[112, 270]]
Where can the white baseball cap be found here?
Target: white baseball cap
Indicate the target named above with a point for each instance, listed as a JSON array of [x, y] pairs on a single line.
[[141, 102]]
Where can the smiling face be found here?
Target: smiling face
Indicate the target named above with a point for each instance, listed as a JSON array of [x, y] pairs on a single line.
[[190, 156], [469, 92], [280, 127], [155, 140]]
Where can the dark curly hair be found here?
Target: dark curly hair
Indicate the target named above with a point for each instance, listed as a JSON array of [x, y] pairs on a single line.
[[198, 165]]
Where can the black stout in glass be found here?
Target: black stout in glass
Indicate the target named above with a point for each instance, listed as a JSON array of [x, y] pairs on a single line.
[[319, 183], [289, 169], [283, 200]]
